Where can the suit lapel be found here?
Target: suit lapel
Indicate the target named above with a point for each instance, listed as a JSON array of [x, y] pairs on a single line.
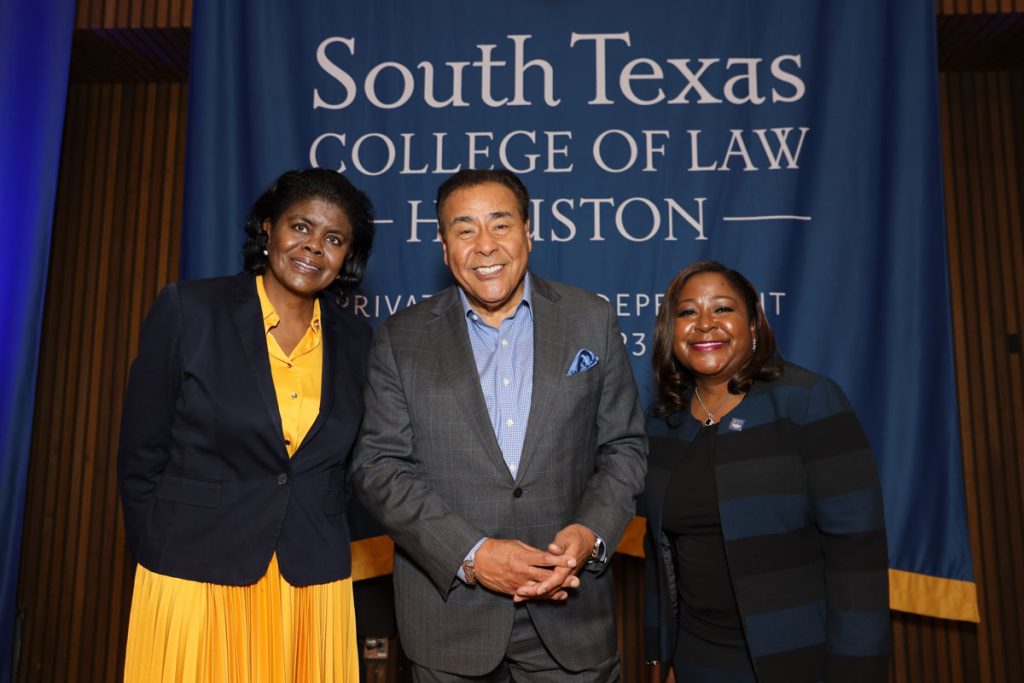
[[549, 356], [248, 319], [451, 344]]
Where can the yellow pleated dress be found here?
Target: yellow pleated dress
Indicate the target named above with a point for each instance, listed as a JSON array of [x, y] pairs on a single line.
[[270, 632]]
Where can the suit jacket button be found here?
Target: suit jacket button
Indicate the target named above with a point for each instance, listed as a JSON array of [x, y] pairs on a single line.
[[517, 493], [282, 479]]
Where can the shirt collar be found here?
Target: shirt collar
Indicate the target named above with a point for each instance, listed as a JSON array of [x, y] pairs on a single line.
[[527, 299], [270, 316]]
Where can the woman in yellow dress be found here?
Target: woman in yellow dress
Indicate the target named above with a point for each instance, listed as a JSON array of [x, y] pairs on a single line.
[[241, 409]]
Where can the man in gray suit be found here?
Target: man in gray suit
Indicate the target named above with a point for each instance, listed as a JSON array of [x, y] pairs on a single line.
[[502, 448]]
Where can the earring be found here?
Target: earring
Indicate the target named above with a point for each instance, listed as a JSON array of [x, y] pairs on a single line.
[[267, 253], [755, 345]]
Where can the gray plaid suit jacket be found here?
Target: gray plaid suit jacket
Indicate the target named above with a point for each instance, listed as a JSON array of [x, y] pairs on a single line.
[[428, 466]]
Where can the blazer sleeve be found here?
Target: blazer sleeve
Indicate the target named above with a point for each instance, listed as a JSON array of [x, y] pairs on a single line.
[[847, 499], [609, 499], [660, 604], [153, 386], [384, 472]]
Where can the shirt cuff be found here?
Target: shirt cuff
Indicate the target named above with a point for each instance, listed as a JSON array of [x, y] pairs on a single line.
[[469, 556]]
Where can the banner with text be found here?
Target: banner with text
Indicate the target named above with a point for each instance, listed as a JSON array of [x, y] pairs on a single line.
[[796, 141]]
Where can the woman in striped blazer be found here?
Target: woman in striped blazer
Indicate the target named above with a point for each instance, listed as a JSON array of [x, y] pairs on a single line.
[[766, 550]]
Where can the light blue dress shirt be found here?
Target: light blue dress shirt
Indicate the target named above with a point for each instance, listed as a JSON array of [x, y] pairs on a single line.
[[504, 361]]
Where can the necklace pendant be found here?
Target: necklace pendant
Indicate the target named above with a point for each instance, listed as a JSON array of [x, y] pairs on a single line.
[[708, 422]]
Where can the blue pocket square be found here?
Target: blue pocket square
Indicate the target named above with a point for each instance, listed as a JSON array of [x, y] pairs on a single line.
[[583, 361]]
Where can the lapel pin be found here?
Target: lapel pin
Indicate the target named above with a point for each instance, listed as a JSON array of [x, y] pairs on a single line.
[[736, 424]]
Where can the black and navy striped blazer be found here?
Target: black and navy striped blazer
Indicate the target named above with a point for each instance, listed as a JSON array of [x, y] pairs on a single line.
[[802, 519]]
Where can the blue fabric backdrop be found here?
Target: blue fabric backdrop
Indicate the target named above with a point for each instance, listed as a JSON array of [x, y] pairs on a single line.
[[797, 141], [36, 53]]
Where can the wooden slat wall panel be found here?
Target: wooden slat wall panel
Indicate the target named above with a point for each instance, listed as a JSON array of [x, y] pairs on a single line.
[[138, 41], [980, 41], [984, 185], [115, 242], [983, 151], [979, 6], [94, 14], [629, 618], [130, 56]]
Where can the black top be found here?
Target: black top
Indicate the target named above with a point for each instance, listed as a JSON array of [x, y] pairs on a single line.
[[707, 604]]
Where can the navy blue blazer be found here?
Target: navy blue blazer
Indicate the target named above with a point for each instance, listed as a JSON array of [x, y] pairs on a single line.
[[208, 490]]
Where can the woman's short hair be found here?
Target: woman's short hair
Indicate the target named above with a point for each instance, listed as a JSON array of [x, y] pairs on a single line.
[[675, 379], [313, 183]]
